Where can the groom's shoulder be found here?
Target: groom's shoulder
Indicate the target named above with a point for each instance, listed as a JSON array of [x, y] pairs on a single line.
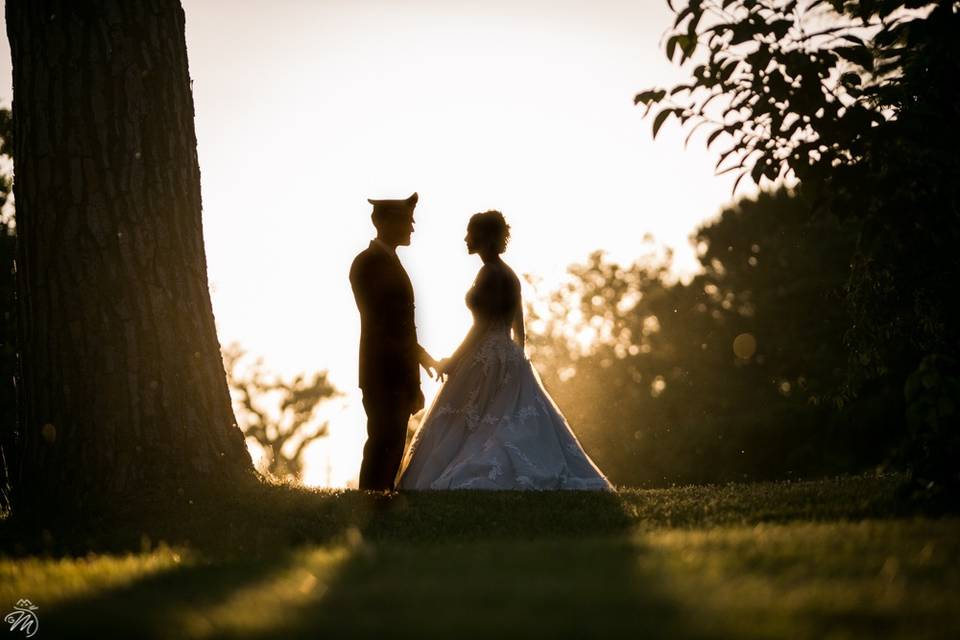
[[363, 255], [366, 259]]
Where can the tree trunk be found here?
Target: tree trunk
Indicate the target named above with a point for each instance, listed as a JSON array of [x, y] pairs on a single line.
[[122, 386]]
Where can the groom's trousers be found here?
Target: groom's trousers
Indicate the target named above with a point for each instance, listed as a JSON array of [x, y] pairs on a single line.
[[387, 416]]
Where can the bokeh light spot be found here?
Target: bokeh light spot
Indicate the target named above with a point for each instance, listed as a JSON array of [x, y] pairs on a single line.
[[49, 432], [744, 346]]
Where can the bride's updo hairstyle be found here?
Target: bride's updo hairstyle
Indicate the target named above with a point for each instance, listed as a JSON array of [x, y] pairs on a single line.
[[491, 229]]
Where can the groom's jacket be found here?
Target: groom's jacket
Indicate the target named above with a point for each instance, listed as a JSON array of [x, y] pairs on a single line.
[[388, 335]]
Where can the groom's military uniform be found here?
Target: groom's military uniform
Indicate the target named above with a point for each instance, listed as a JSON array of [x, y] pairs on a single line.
[[389, 362]]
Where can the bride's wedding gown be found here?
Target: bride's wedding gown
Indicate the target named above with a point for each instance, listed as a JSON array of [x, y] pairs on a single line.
[[494, 426]]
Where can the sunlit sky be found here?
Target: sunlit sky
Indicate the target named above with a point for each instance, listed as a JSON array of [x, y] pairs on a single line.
[[306, 108]]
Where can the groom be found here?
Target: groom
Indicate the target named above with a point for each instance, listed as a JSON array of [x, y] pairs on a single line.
[[389, 352]]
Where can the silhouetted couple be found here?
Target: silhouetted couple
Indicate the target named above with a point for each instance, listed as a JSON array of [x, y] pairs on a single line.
[[492, 424]]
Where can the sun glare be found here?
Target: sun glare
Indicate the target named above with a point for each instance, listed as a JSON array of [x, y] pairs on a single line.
[[472, 110]]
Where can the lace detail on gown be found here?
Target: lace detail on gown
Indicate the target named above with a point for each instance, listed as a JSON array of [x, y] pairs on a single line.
[[493, 426]]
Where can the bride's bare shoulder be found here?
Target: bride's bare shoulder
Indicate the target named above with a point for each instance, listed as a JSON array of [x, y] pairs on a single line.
[[498, 273], [509, 276]]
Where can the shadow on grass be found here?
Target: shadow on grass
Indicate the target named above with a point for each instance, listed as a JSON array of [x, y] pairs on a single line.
[[490, 564], [443, 564], [268, 517], [162, 604], [584, 588], [265, 517]]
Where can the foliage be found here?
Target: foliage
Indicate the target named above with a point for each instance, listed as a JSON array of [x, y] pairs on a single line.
[[726, 377], [933, 420], [803, 87], [858, 100], [276, 414]]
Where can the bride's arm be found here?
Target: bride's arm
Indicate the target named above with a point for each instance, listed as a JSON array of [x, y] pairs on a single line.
[[477, 330], [428, 362], [485, 280], [519, 336]]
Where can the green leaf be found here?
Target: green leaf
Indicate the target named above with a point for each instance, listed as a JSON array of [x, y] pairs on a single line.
[[660, 119], [688, 45], [646, 97], [713, 136], [671, 47]]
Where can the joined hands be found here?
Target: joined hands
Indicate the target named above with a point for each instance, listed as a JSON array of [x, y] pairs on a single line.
[[438, 369], [444, 367]]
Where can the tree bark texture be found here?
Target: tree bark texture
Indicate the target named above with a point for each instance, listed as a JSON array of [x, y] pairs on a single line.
[[122, 383]]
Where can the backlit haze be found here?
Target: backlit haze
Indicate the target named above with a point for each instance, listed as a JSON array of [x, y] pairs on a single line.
[[304, 109]]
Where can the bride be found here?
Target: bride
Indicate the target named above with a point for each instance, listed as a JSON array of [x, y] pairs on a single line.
[[492, 424]]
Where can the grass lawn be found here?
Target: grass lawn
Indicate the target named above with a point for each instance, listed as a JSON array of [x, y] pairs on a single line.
[[823, 559]]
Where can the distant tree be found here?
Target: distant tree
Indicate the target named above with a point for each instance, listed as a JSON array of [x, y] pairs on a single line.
[[278, 415], [857, 99], [725, 378], [122, 386]]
